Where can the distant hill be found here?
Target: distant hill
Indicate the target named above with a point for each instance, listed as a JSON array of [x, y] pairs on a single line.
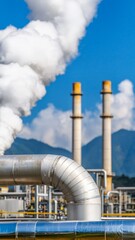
[[123, 153], [32, 146], [123, 181]]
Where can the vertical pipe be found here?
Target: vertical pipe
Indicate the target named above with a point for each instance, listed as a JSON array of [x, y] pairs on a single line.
[[45, 189], [55, 206], [45, 192], [102, 201], [50, 201], [36, 200], [97, 179], [76, 122], [17, 188], [120, 202], [106, 132]]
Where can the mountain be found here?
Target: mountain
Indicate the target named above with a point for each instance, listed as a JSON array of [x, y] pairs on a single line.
[[123, 181], [123, 151], [32, 146]]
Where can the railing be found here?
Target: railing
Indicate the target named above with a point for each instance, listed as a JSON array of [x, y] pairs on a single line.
[[118, 215], [53, 215]]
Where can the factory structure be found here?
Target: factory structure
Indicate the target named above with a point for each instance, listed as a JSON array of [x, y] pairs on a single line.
[[58, 188]]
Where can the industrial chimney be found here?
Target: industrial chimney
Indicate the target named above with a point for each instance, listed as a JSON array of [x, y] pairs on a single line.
[[106, 132], [76, 122]]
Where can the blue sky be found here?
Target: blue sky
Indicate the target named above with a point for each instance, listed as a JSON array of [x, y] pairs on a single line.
[[106, 52]]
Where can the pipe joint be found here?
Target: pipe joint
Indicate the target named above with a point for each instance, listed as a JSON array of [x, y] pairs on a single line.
[[72, 179]]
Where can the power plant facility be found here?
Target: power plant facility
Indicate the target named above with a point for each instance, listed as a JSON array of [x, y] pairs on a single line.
[[54, 196]]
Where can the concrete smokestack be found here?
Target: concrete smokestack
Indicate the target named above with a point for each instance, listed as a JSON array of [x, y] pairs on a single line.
[[76, 123], [106, 132]]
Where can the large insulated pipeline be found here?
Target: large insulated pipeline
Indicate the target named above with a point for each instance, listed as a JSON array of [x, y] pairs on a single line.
[[62, 173]]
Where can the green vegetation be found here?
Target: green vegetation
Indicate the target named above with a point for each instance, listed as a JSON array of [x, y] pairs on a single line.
[[123, 181]]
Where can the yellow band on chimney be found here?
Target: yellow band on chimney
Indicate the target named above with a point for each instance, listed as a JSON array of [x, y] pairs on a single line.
[[106, 87], [77, 88]]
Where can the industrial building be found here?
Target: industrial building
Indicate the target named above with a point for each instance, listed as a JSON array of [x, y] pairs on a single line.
[[51, 187]]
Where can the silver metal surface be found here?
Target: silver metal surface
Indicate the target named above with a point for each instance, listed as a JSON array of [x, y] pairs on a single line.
[[60, 172], [11, 206], [50, 200], [36, 200], [99, 171], [114, 193]]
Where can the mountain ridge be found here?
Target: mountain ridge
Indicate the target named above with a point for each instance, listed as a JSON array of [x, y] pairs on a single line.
[[123, 151]]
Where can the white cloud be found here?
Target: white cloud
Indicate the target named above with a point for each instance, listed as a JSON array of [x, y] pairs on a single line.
[[54, 126], [123, 105], [51, 126]]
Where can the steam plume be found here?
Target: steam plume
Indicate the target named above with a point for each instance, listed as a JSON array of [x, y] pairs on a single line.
[[32, 57]]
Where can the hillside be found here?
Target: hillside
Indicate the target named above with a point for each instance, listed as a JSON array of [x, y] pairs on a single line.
[[32, 146], [123, 153]]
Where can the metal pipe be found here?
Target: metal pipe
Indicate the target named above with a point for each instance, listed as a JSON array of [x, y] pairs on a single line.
[[106, 132], [45, 189], [115, 192], [116, 218], [55, 207], [111, 192], [42, 195], [50, 200], [102, 201], [76, 123], [97, 179], [57, 193], [99, 171], [126, 189], [62, 173], [102, 189], [36, 200], [13, 194], [17, 188], [120, 202]]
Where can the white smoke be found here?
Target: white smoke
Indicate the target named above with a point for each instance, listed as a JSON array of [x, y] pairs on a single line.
[[58, 133], [32, 57]]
